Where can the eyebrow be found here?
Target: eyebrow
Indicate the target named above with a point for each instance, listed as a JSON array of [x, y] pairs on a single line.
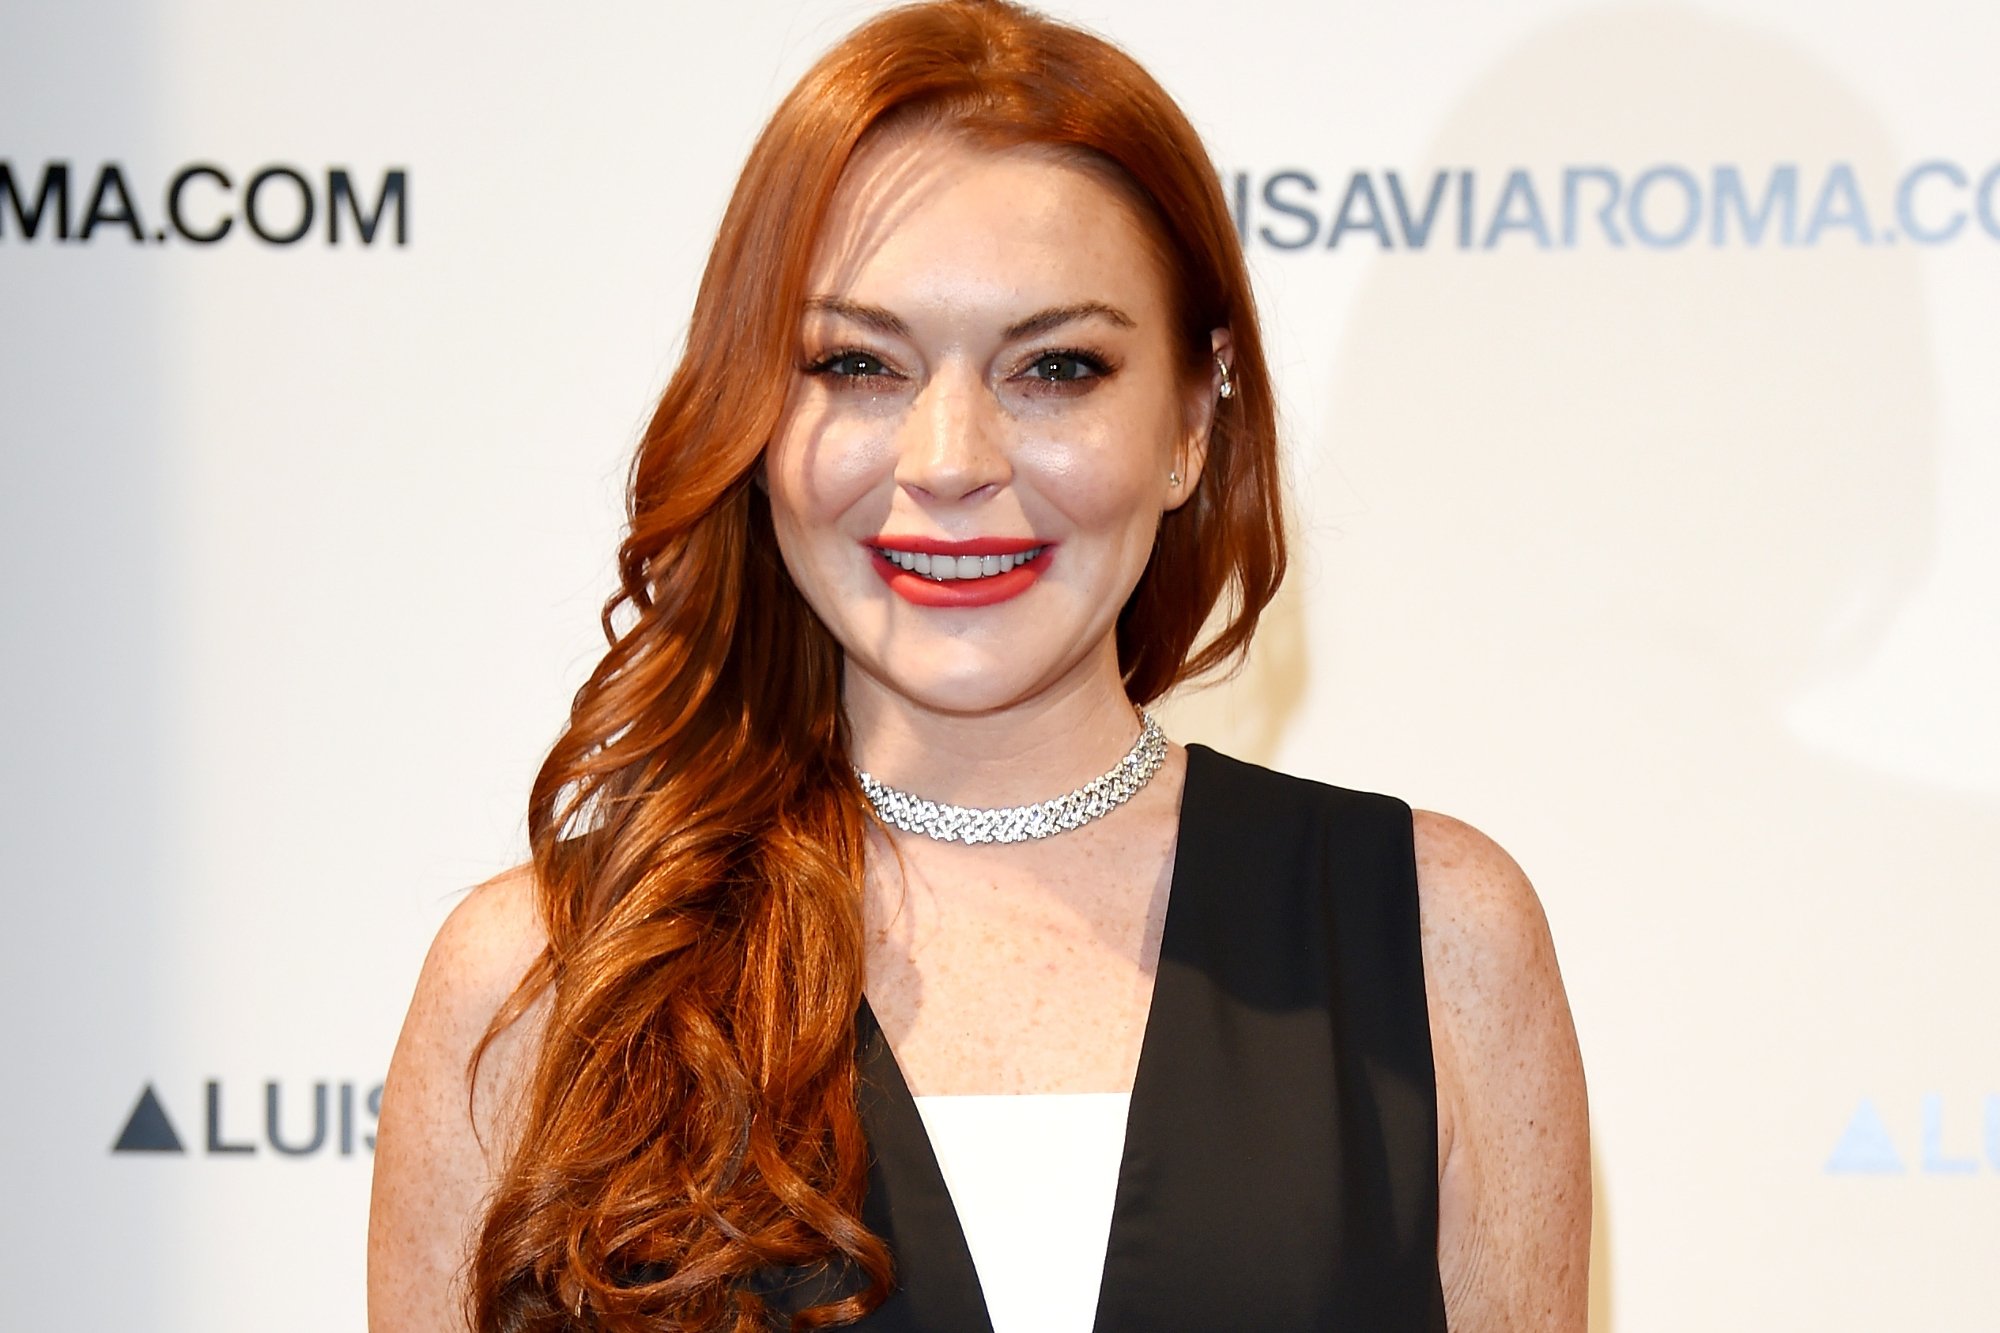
[[884, 321], [868, 316], [1057, 316]]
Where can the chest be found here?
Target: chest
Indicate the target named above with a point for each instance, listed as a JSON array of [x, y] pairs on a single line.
[[1011, 970], [1278, 1163]]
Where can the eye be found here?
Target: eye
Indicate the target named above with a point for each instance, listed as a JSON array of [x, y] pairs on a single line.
[[1066, 367], [850, 364]]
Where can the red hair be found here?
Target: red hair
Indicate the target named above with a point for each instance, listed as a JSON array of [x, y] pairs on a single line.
[[697, 832]]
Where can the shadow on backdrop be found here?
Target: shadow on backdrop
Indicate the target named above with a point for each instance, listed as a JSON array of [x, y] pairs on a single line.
[[82, 699], [1674, 485]]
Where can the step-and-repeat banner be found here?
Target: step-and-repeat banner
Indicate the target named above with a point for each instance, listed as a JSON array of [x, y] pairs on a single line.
[[1638, 369]]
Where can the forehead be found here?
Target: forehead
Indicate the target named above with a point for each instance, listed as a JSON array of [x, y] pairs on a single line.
[[928, 217]]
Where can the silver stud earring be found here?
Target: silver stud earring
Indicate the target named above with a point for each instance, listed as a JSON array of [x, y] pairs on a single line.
[[1173, 479], [1227, 390]]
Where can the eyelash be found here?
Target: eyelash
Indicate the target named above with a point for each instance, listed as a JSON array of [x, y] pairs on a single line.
[[1097, 366], [824, 366], [1094, 366]]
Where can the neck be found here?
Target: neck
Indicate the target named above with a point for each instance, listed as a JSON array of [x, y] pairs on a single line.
[[1028, 750]]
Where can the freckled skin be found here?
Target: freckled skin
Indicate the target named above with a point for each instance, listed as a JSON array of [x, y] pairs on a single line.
[[1513, 1126], [946, 429], [434, 1161], [1024, 968]]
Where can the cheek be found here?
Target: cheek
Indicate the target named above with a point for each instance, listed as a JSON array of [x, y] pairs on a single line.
[[1107, 478], [817, 470]]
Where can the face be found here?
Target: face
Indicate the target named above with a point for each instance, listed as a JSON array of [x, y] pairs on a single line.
[[977, 445]]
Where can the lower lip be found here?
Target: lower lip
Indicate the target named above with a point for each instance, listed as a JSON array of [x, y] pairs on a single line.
[[986, 591]]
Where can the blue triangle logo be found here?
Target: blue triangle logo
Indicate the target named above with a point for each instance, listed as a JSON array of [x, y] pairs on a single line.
[[1865, 1147], [147, 1129]]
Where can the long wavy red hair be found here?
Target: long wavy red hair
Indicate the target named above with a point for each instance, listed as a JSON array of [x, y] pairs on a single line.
[[697, 834]]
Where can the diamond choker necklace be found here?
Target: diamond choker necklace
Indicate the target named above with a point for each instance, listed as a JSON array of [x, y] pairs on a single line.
[[1024, 823]]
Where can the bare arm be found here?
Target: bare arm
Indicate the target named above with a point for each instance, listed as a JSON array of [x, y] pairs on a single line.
[[434, 1161], [1514, 1137]]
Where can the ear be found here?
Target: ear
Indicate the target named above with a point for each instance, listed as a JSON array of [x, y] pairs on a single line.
[[1198, 418]]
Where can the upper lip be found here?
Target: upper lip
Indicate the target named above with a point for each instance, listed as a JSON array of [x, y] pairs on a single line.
[[960, 546]]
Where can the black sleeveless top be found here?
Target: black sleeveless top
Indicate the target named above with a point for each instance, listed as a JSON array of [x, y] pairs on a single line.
[[1280, 1162]]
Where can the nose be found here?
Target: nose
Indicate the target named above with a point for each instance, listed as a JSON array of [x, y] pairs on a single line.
[[952, 443]]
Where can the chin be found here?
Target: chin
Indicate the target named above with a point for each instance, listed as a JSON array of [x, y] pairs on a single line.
[[951, 693], [966, 681]]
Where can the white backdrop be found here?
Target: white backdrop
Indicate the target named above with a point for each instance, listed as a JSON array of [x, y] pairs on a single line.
[[1644, 522]]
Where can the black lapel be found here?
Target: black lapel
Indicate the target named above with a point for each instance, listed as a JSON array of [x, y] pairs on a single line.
[[937, 1287], [908, 1201]]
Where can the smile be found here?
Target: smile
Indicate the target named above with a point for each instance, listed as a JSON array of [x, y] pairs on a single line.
[[941, 567], [980, 571]]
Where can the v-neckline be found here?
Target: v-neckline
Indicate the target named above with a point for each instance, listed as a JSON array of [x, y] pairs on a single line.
[[896, 1108]]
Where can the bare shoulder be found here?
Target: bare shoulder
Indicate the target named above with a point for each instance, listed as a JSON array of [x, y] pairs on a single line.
[[479, 956], [439, 1151], [484, 946], [1485, 935], [1514, 1145]]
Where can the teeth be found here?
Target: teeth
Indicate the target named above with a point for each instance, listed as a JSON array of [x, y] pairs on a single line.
[[959, 567]]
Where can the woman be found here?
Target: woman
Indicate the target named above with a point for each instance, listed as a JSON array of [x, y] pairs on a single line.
[[816, 985]]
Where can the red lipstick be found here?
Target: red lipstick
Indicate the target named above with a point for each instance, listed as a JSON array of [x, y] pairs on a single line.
[[982, 589]]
